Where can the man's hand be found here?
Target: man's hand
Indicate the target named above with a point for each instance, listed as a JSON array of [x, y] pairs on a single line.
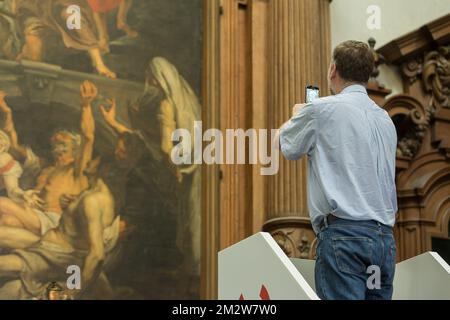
[[66, 199], [178, 175], [2, 97], [88, 93], [8, 126], [110, 115], [32, 199], [3, 106], [296, 109]]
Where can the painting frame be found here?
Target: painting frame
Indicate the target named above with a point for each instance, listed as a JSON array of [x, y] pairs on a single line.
[[210, 173]]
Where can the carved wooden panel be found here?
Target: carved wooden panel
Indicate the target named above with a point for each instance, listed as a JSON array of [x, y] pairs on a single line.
[[422, 119], [264, 68]]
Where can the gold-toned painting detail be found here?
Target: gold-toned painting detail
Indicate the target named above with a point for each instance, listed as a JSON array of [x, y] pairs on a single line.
[[91, 204]]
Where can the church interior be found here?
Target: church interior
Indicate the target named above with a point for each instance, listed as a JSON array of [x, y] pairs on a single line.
[[136, 70], [259, 57]]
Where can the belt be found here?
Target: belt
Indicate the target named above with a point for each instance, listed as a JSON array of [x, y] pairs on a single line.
[[329, 219]]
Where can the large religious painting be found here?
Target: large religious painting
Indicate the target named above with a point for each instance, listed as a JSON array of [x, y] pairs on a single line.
[[91, 204]]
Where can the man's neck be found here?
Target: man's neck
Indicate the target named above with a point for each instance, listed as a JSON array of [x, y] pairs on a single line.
[[345, 85], [64, 161], [99, 185]]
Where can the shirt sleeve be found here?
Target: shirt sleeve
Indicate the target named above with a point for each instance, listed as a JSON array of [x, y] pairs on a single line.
[[298, 135]]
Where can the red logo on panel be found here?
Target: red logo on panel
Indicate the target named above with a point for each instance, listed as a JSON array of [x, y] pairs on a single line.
[[263, 294]]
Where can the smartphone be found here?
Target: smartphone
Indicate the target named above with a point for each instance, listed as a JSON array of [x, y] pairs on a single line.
[[312, 93]]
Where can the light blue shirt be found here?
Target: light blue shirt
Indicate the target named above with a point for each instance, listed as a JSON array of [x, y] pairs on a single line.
[[351, 145]]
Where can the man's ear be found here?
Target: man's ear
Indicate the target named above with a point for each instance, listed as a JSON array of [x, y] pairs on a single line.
[[333, 71]]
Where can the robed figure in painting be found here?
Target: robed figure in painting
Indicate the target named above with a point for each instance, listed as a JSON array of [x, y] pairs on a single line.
[[168, 103]]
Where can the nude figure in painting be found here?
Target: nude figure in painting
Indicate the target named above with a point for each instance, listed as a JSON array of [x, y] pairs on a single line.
[[88, 231], [71, 152]]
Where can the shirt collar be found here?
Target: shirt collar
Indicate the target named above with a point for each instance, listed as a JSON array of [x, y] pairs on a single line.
[[355, 88]]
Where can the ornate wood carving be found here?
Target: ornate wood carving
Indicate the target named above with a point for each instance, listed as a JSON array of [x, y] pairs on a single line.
[[412, 69], [376, 90], [379, 60], [436, 77], [422, 119], [294, 236], [436, 33], [411, 120]]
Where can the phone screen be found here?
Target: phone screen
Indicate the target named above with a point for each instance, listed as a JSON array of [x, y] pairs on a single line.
[[312, 93]]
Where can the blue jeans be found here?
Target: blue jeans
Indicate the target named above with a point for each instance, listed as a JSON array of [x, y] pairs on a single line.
[[355, 261]]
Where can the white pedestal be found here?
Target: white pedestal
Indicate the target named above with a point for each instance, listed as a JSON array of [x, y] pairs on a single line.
[[257, 268]]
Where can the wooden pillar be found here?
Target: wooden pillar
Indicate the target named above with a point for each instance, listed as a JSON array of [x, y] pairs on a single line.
[[299, 55], [210, 174], [235, 89], [259, 104]]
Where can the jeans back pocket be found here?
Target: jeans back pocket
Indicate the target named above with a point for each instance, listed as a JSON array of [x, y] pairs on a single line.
[[353, 254]]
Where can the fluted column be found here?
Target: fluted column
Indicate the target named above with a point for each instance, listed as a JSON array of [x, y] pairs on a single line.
[[210, 174], [299, 55]]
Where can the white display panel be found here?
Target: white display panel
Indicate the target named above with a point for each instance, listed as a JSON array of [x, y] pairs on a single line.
[[258, 261], [256, 268]]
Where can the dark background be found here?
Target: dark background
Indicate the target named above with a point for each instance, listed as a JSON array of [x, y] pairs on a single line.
[[168, 28]]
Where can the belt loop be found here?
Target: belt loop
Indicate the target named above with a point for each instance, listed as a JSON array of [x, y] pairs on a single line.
[[325, 221]]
